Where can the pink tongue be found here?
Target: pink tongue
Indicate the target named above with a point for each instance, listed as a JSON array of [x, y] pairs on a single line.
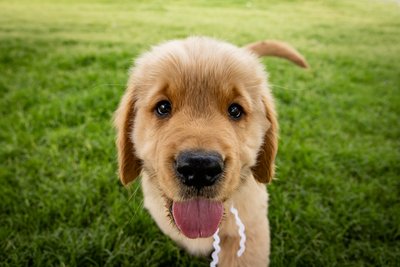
[[198, 217]]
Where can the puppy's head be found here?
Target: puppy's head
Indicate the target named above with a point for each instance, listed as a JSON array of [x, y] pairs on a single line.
[[198, 119]]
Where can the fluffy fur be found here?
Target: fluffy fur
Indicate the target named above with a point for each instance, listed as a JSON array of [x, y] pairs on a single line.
[[201, 77]]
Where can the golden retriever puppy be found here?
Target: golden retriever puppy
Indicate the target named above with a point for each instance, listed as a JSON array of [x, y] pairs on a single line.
[[198, 124]]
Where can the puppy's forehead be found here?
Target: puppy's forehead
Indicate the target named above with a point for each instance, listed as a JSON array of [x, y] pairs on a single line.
[[200, 68]]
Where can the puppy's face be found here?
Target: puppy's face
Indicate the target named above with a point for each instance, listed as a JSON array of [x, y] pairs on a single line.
[[199, 120]]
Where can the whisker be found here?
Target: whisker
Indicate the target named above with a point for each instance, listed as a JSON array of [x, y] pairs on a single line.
[[286, 88]]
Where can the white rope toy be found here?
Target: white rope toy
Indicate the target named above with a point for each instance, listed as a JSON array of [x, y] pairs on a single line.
[[242, 246], [217, 249]]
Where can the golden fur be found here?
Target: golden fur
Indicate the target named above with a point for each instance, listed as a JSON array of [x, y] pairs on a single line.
[[201, 77]]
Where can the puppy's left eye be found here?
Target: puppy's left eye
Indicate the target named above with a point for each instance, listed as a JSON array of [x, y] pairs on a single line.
[[235, 111]]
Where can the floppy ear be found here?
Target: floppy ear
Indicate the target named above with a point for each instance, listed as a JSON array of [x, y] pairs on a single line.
[[129, 165], [264, 169]]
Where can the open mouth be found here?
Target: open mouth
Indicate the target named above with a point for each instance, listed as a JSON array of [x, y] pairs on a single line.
[[197, 218]]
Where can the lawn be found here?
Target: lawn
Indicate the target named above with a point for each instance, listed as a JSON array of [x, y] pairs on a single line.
[[63, 67]]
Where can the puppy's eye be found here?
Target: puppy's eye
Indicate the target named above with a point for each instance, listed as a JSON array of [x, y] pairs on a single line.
[[235, 111], [163, 108]]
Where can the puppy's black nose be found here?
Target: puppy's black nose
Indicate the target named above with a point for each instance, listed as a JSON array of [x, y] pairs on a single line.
[[199, 168]]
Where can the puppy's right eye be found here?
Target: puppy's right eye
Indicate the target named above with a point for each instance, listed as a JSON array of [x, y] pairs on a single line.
[[163, 109]]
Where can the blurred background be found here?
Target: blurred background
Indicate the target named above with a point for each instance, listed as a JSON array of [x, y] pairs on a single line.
[[63, 69]]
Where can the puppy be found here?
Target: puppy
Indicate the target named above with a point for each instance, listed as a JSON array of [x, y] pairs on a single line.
[[197, 122]]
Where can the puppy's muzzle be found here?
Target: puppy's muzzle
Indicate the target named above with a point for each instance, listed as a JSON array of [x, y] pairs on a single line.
[[199, 168]]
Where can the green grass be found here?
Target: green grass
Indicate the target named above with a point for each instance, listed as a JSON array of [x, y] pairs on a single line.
[[63, 67]]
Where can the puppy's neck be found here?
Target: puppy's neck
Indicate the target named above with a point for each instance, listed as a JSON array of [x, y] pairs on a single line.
[[250, 198]]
